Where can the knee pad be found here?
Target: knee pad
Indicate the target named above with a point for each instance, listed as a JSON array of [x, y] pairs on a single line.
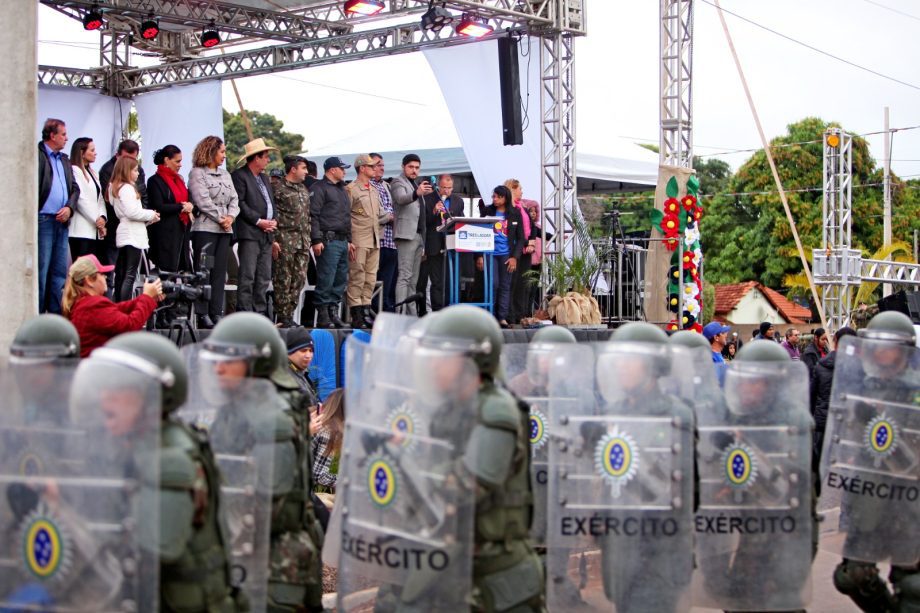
[[907, 589], [856, 577]]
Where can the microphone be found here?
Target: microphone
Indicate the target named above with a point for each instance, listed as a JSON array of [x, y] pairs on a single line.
[[417, 298]]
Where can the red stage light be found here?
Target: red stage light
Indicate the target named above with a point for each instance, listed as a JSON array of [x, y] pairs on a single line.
[[364, 7], [474, 27]]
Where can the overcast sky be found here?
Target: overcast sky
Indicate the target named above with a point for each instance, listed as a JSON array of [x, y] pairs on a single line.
[[617, 77]]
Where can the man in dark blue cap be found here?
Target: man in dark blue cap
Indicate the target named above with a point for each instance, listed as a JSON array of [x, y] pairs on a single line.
[[330, 238], [717, 335]]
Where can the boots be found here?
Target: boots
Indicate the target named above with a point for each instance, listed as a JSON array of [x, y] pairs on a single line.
[[322, 317], [357, 318], [334, 317], [368, 316]]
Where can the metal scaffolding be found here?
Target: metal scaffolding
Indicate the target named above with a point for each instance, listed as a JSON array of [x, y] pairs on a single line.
[[676, 114]]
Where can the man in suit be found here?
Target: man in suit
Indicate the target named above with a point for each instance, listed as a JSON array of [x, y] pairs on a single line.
[[57, 196], [255, 227], [409, 229], [366, 217], [439, 207]]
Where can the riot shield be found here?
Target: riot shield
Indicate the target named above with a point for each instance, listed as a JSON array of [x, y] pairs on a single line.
[[79, 512], [870, 465], [754, 525], [389, 328], [620, 483], [408, 506], [527, 371], [239, 414]]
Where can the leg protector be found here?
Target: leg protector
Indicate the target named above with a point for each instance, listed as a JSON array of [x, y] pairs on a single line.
[[860, 581], [906, 584]]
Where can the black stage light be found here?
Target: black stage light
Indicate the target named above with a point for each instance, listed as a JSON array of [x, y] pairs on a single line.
[[92, 20], [436, 17], [150, 27], [210, 37]]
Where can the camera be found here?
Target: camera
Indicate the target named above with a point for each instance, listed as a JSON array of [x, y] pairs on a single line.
[[181, 291]]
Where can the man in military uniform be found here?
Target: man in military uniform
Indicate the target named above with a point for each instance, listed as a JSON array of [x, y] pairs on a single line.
[[870, 461], [295, 568], [366, 218], [292, 211], [507, 573]]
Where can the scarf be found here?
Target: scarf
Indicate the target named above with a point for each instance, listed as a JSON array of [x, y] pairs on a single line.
[[177, 187]]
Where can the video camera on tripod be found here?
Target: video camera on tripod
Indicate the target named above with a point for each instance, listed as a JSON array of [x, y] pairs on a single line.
[[184, 286]]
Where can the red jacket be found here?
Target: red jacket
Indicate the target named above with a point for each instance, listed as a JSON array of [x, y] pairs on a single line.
[[97, 319]]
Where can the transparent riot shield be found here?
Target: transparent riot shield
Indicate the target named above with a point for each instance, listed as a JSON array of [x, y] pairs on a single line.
[[239, 415], [389, 328], [527, 371], [79, 512], [755, 529], [408, 504], [620, 483], [870, 464]]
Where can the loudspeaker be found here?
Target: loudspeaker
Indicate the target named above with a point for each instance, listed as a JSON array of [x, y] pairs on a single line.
[[510, 84]]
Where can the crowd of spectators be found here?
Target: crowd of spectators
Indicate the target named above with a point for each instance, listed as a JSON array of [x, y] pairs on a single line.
[[263, 234]]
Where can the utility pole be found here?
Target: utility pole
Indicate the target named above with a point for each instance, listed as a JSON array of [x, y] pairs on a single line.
[[886, 228]]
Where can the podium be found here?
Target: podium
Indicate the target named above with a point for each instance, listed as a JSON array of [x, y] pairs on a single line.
[[470, 235]]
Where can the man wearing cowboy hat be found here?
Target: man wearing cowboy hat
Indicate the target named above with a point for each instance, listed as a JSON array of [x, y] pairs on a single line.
[[255, 227]]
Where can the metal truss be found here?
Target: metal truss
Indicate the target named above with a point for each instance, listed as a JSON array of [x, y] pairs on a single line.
[[70, 77], [557, 104], [838, 268], [676, 146]]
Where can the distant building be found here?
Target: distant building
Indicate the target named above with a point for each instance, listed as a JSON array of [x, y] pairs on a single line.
[[749, 303]]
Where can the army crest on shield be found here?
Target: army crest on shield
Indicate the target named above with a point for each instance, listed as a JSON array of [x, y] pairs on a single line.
[[616, 458], [740, 465], [537, 424], [382, 481], [403, 423], [881, 436], [45, 546]]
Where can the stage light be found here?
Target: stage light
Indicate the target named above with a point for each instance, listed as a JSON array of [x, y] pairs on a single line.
[[210, 37], [92, 20], [474, 26], [436, 17], [363, 7], [150, 27]]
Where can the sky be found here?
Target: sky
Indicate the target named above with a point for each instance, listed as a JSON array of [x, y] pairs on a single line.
[[617, 77]]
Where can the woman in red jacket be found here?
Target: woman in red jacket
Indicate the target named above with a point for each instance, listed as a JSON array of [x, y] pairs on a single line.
[[96, 318]]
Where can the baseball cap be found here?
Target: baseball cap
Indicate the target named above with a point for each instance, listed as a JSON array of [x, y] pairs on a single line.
[[334, 162], [364, 160], [86, 266], [297, 339], [713, 328]]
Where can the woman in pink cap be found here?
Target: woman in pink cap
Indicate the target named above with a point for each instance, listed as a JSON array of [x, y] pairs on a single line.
[[96, 318]]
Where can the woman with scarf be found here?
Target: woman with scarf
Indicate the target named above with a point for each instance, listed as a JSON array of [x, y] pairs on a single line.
[[169, 239]]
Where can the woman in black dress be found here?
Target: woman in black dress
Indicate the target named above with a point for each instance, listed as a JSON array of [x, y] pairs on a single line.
[[168, 195]]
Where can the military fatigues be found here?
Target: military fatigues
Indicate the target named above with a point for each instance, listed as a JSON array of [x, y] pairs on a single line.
[[365, 235], [295, 580], [292, 211]]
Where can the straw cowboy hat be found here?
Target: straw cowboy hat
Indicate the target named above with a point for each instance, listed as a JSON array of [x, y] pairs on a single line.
[[253, 147]]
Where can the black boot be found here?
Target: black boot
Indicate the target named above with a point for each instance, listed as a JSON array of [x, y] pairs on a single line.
[[205, 322], [357, 318], [322, 317], [334, 317], [368, 315]]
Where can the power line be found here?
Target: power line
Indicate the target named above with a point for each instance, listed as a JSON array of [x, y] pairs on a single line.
[[815, 49], [893, 10]]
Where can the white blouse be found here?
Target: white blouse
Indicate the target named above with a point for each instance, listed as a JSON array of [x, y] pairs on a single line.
[[132, 229]]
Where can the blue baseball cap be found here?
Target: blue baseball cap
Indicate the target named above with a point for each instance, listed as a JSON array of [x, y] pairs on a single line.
[[335, 162], [713, 328]]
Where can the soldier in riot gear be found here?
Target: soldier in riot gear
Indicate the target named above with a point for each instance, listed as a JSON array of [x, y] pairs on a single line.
[[295, 568], [756, 528], [45, 338], [869, 465], [621, 481]]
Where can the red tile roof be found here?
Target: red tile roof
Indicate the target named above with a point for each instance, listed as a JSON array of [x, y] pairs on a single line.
[[728, 297]]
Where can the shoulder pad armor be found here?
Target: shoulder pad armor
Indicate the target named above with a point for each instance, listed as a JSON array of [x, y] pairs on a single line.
[[177, 470], [499, 409], [284, 428]]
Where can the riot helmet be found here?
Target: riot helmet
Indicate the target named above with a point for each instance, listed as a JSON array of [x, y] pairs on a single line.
[[43, 339], [632, 361], [756, 377], [541, 349], [244, 345], [889, 342]]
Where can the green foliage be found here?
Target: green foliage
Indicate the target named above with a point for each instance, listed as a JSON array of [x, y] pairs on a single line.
[[264, 126], [747, 236], [709, 302], [577, 272]]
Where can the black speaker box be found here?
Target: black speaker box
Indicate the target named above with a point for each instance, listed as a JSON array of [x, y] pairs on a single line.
[[510, 84]]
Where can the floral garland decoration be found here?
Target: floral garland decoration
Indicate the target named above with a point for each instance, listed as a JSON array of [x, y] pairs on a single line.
[[679, 220]]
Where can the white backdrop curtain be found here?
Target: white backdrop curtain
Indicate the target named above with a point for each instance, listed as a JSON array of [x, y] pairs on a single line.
[[180, 116], [86, 112]]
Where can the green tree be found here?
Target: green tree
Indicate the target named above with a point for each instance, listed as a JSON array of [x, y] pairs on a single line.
[[746, 236], [264, 126]]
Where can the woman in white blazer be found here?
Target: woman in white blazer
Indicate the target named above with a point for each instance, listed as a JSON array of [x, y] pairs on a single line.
[[131, 235], [87, 226]]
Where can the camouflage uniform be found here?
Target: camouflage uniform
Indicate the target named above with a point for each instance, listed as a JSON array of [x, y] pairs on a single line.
[[292, 210]]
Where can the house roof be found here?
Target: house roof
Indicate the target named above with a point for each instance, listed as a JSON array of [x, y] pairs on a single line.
[[728, 297]]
